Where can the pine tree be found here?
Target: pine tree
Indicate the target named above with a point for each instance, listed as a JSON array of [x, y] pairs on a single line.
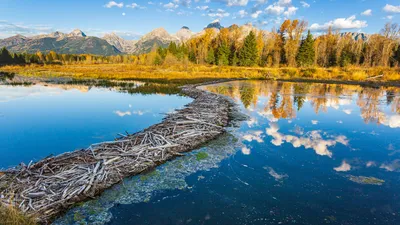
[[233, 60], [5, 57], [172, 48], [306, 55], [157, 60], [223, 54], [210, 59], [248, 54]]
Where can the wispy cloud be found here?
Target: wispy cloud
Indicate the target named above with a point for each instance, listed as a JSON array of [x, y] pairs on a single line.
[[8, 29], [391, 8], [367, 12], [111, 4]]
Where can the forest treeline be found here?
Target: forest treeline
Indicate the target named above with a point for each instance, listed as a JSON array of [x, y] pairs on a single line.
[[287, 46]]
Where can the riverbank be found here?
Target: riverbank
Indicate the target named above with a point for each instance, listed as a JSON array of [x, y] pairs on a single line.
[[47, 188]]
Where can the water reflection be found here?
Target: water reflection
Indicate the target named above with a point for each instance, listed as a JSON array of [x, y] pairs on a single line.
[[278, 100], [45, 119], [307, 154]]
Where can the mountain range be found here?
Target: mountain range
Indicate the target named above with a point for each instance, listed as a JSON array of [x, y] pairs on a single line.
[[77, 42]]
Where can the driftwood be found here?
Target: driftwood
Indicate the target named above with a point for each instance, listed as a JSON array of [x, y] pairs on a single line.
[[49, 187]]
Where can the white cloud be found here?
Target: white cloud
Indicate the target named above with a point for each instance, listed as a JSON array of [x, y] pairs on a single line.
[[205, 7], [367, 12], [135, 6], [150, 3], [242, 13], [275, 10], [114, 4], [389, 17], [123, 14], [220, 13], [343, 168], [236, 2], [284, 2], [340, 24], [256, 14], [185, 3], [171, 6], [305, 4], [290, 11], [391, 8]]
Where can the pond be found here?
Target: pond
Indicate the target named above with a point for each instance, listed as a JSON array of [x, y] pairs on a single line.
[[48, 119], [307, 154]]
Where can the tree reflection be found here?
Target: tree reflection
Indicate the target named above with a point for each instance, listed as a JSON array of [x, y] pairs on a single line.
[[283, 99]]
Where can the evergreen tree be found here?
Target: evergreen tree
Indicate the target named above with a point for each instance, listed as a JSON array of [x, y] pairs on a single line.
[[172, 48], [210, 59], [306, 55], [223, 54], [248, 55], [5, 57], [233, 60], [157, 60]]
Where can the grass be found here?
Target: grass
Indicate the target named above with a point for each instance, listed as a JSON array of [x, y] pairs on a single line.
[[184, 74], [12, 216]]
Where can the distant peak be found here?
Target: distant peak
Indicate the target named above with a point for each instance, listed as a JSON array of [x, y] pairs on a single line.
[[185, 27], [77, 33], [215, 24]]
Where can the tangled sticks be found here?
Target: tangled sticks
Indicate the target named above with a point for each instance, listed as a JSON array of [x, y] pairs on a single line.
[[47, 188]]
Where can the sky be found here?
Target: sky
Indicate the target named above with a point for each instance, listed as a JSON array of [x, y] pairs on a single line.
[[133, 18]]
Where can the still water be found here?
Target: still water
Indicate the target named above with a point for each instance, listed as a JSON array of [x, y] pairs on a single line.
[[307, 154], [46, 119]]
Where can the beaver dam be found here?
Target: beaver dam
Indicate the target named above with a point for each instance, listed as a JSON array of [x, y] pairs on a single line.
[[50, 186]]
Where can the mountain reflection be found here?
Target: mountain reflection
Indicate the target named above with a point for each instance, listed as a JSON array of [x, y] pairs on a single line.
[[281, 100]]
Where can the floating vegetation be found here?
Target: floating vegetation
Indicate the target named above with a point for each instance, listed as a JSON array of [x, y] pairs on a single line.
[[169, 176], [201, 156], [366, 180]]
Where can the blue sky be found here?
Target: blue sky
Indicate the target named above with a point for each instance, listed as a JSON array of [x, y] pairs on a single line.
[[132, 18]]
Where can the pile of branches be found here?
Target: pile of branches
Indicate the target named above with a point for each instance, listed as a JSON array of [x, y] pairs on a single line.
[[49, 187]]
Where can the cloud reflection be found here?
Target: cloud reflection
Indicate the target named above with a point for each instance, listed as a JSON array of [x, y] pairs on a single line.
[[343, 167], [312, 139], [122, 114]]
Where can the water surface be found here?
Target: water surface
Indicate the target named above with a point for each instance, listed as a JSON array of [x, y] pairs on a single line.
[[308, 154], [49, 119]]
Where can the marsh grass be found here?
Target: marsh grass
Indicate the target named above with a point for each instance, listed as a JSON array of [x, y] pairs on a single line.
[[12, 216], [188, 74]]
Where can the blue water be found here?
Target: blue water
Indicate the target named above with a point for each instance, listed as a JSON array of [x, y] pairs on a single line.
[[41, 120], [299, 158]]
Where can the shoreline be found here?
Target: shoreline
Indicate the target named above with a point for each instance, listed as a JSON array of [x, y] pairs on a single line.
[[49, 187], [374, 84]]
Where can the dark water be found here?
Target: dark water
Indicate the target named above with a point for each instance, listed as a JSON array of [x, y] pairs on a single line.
[[308, 154], [39, 120]]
